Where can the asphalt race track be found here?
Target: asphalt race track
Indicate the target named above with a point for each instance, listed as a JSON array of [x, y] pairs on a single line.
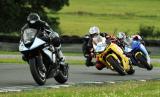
[[15, 75]]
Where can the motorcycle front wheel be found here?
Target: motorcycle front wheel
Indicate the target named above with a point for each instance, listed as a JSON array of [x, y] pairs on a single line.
[[131, 71], [143, 61], [116, 65], [38, 75]]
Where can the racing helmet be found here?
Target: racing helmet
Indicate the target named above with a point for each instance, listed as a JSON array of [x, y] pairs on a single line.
[[121, 35], [94, 30], [136, 37], [33, 17]]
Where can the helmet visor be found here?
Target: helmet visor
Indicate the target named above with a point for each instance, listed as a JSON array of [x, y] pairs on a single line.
[[33, 17]]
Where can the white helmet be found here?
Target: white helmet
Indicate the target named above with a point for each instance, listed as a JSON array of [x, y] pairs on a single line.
[[94, 30], [121, 35]]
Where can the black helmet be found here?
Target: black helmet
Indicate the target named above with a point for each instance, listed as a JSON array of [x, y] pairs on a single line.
[[33, 17]]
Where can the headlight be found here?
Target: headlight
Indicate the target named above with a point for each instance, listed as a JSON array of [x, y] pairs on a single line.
[[100, 47], [28, 35]]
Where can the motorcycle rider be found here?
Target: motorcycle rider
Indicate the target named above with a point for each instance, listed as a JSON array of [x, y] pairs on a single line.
[[34, 21], [123, 40], [88, 46], [137, 38]]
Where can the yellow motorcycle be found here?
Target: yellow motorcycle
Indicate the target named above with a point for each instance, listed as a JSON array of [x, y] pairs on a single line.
[[111, 56]]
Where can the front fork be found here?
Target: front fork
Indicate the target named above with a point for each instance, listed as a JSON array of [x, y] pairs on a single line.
[[28, 55], [37, 55]]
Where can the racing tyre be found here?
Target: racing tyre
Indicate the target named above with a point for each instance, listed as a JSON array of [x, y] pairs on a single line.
[[131, 71], [38, 75], [116, 65], [143, 61], [62, 74]]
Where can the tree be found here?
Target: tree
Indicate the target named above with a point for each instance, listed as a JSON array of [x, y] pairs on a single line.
[[14, 12]]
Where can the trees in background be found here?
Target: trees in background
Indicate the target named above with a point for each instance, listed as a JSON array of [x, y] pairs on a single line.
[[147, 31], [13, 13]]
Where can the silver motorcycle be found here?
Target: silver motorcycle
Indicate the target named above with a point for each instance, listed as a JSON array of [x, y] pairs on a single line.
[[37, 52]]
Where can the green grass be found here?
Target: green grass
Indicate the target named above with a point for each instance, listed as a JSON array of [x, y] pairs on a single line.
[[20, 61], [14, 61], [156, 64], [65, 53], [109, 15], [73, 54], [158, 56], [75, 62], [138, 7], [9, 52], [125, 89], [70, 62]]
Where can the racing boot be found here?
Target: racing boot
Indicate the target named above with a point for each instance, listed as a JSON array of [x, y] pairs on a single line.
[[99, 65], [60, 56], [89, 62]]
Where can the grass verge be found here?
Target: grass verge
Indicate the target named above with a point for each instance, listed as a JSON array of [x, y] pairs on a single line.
[[9, 52], [65, 53], [70, 62], [158, 56], [125, 89], [73, 54], [109, 15], [14, 61], [20, 61], [156, 64]]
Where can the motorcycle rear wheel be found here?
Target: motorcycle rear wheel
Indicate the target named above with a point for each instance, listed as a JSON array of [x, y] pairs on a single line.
[[62, 74]]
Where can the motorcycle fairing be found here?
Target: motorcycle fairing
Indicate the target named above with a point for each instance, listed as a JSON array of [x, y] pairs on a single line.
[[119, 51], [137, 45], [37, 42], [50, 54], [100, 47]]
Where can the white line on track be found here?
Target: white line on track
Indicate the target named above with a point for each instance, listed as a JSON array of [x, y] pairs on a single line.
[[90, 82], [142, 80]]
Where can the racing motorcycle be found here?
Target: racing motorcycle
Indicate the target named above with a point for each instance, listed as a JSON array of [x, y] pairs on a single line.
[[37, 53], [111, 56], [138, 54]]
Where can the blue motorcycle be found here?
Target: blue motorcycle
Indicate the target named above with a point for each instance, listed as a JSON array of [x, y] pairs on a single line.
[[139, 55]]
